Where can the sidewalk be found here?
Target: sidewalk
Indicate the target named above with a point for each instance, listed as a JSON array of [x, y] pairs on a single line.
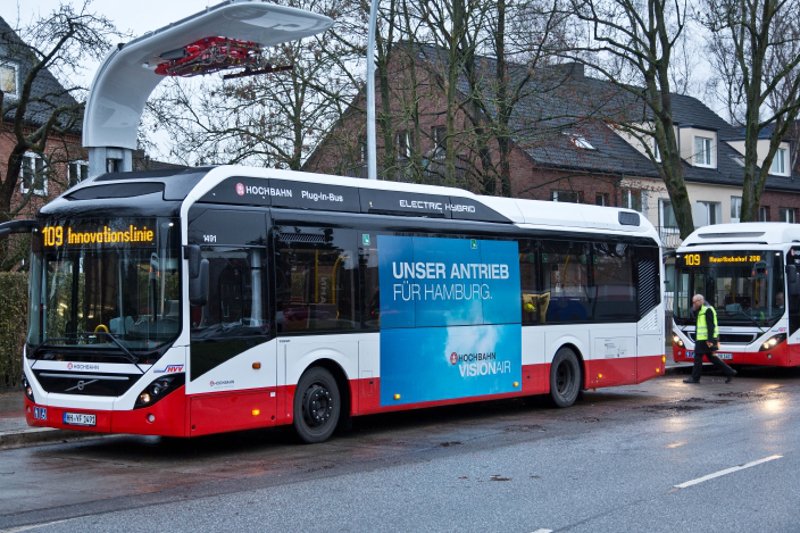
[[15, 431]]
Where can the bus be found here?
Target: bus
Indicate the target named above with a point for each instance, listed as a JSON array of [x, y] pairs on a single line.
[[748, 272], [228, 298]]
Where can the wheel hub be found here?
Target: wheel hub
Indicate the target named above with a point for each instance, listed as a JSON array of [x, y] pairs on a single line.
[[317, 405]]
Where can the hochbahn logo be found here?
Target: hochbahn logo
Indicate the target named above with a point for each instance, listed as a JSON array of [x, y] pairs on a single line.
[[479, 364], [262, 191]]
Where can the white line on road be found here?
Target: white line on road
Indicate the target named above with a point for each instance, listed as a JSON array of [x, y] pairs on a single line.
[[727, 471], [543, 530], [30, 527]]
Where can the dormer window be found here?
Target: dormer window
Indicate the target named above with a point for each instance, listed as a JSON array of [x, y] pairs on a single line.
[[9, 79], [779, 166], [703, 151], [580, 141]]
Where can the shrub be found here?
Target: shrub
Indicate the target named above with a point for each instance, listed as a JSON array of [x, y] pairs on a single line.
[[13, 322]]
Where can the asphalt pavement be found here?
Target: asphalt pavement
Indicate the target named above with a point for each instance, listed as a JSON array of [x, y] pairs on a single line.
[[15, 431]]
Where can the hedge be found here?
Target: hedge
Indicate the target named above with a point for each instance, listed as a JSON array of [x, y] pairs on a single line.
[[13, 325]]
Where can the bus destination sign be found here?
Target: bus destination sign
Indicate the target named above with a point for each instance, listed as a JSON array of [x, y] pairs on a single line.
[[693, 260], [58, 235]]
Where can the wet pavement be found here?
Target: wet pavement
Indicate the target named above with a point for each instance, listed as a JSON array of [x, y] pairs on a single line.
[[15, 431]]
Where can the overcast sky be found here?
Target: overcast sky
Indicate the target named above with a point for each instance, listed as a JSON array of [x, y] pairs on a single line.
[[137, 16]]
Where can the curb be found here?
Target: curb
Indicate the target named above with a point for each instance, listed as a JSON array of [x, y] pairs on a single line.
[[26, 437]]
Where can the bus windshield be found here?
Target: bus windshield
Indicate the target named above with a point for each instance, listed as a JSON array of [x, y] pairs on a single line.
[[745, 287], [105, 285]]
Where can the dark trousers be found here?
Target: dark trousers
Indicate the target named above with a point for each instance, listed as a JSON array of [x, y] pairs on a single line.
[[701, 349]]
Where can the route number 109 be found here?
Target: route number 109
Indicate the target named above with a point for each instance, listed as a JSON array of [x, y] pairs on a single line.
[[692, 260], [53, 235]]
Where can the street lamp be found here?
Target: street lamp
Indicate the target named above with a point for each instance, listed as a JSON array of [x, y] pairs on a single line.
[[372, 166]]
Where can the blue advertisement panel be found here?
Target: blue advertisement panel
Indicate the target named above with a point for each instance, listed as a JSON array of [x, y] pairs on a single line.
[[450, 318]]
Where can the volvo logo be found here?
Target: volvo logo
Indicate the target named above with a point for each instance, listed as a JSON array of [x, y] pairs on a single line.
[[81, 385]]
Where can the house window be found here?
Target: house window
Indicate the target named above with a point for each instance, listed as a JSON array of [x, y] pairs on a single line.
[[9, 83], [33, 174], [763, 214], [566, 196], [707, 213], [779, 162], [78, 171], [736, 208], [702, 151], [439, 134], [787, 214], [601, 198], [666, 215], [403, 143], [632, 199]]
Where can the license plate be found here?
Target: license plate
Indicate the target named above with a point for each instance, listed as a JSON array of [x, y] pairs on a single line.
[[80, 419], [40, 413], [725, 355], [689, 353]]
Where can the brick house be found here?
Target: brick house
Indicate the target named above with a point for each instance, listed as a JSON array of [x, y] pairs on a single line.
[[566, 144], [47, 173]]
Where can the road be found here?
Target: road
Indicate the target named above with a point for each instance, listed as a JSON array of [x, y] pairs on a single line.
[[659, 456]]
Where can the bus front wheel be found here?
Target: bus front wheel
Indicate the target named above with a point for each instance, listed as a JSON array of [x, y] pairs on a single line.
[[317, 405], [565, 378]]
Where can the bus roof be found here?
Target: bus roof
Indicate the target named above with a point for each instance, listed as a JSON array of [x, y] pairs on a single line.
[[745, 233], [248, 186]]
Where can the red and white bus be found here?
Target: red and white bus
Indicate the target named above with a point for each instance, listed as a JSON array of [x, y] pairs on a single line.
[[748, 272], [229, 298]]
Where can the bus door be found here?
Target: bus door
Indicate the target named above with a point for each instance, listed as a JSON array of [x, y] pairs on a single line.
[[317, 300], [232, 362]]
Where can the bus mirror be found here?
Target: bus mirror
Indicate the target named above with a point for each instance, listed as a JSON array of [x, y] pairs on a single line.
[[198, 285], [193, 255]]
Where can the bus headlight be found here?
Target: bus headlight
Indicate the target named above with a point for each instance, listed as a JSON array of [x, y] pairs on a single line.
[[158, 389], [28, 389], [677, 340], [772, 342]]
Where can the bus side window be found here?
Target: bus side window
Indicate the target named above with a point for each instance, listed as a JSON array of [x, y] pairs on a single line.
[[613, 282], [566, 278], [315, 279], [535, 302]]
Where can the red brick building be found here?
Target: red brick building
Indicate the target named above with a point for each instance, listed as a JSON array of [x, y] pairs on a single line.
[[565, 142]]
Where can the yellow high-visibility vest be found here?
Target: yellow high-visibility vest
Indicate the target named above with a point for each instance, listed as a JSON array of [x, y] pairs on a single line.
[[702, 327]]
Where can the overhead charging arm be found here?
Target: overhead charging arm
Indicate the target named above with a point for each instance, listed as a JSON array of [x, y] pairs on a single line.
[[128, 75]]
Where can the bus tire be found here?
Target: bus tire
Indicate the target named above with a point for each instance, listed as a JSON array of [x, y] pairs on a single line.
[[317, 405], [565, 378]]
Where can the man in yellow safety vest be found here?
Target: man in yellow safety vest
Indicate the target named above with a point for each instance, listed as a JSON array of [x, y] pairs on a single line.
[[706, 340]]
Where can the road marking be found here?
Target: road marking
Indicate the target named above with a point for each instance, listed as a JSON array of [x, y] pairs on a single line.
[[30, 527], [543, 530], [727, 471]]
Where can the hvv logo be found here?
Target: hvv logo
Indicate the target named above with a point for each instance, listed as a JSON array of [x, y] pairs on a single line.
[[169, 369]]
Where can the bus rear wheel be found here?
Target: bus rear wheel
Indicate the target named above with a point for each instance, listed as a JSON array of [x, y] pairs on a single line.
[[317, 405], [565, 378]]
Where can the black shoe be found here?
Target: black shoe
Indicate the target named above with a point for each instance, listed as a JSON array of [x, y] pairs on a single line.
[[730, 377], [691, 380]]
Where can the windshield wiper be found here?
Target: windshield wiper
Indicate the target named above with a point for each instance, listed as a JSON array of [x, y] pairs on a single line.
[[128, 354], [751, 319]]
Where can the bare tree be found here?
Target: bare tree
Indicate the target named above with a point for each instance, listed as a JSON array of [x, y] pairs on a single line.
[[756, 50], [271, 119], [41, 110], [638, 38]]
